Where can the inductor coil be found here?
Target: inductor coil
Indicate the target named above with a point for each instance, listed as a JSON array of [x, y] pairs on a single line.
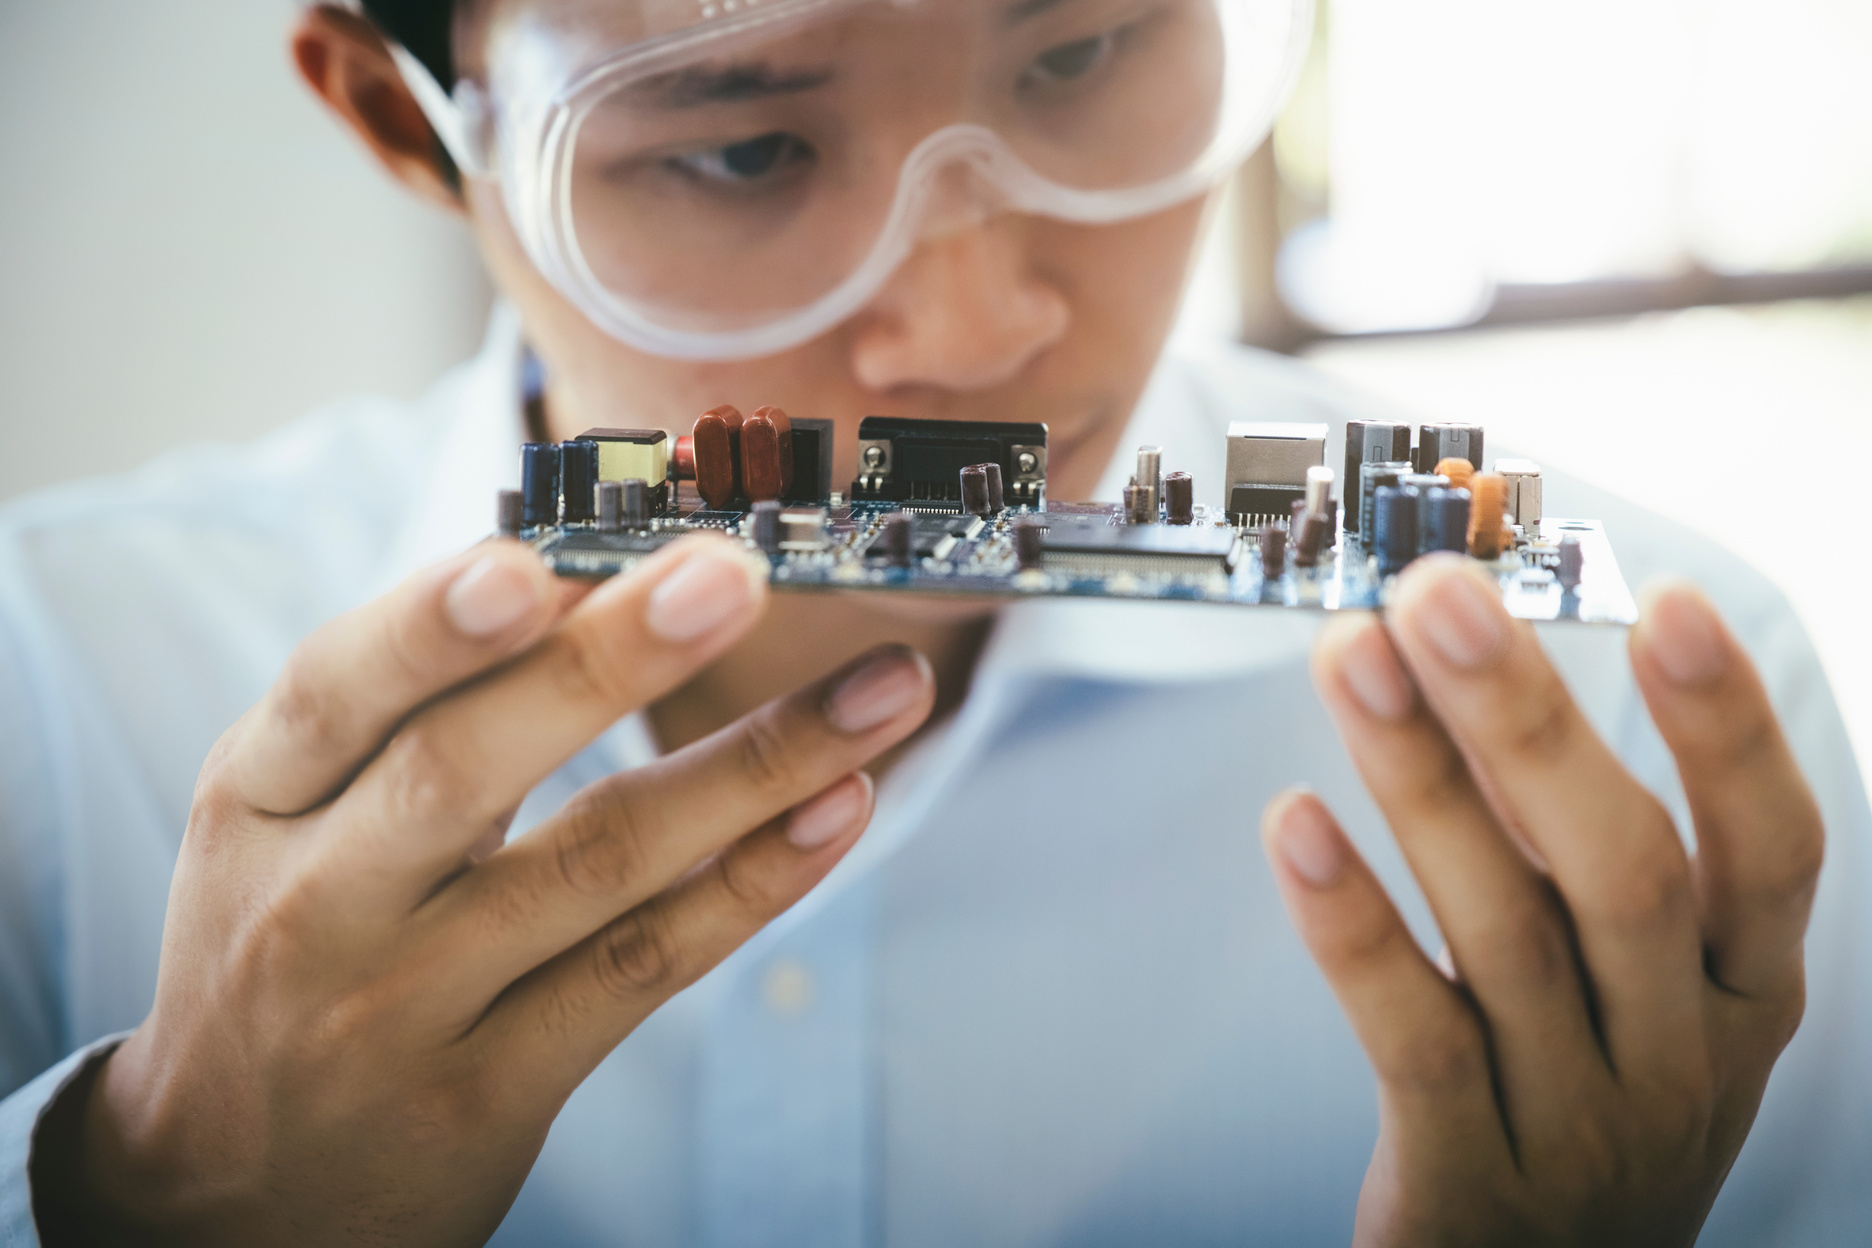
[[1488, 495]]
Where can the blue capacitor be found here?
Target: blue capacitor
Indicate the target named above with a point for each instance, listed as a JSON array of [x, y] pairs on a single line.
[[539, 484], [578, 481], [1448, 528], [1394, 527]]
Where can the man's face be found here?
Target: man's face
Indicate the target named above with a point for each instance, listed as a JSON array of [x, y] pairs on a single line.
[[1003, 317]]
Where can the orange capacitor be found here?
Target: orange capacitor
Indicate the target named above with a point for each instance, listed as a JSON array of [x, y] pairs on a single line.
[[1459, 471], [1488, 494], [717, 443], [682, 458], [766, 454]]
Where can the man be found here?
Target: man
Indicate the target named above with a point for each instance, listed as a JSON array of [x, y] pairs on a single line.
[[425, 940]]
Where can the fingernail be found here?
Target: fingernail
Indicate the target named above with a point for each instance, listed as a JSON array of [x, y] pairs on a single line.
[[1461, 618], [886, 686], [832, 814], [489, 597], [707, 590], [1309, 843], [1374, 675], [1686, 637]]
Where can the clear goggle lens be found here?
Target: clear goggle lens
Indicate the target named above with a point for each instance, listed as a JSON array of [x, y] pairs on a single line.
[[739, 185]]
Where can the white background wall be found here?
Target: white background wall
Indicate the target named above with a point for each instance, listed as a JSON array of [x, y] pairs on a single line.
[[189, 246]]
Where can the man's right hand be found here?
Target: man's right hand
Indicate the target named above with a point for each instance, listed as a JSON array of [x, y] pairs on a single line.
[[369, 1011]]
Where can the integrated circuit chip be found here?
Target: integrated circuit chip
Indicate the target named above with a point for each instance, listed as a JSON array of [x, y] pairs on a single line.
[[1091, 545]]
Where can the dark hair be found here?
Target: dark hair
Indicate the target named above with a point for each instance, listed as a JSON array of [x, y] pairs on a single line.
[[423, 28]]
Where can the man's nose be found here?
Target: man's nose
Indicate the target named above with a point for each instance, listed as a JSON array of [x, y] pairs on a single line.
[[966, 311]]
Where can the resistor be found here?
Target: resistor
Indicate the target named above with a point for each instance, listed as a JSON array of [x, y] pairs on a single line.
[[1488, 495]]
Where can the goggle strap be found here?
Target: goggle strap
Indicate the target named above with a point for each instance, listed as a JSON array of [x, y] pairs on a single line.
[[459, 121]]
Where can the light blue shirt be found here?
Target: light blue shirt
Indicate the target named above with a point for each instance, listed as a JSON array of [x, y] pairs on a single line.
[[1050, 999]]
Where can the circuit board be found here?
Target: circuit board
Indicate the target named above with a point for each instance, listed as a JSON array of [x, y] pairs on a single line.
[[1282, 542]]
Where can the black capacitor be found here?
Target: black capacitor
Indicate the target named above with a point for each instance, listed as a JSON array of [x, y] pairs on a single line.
[[1372, 476], [896, 539], [1572, 563], [1444, 521], [610, 506], [1273, 551], [509, 513], [1180, 498], [539, 483], [1394, 527], [1316, 533], [578, 481], [975, 490], [1371, 442], [636, 502], [764, 524], [1436, 443], [1030, 544], [996, 499]]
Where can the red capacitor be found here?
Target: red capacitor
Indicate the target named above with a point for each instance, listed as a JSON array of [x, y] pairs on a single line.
[[717, 434], [766, 454], [682, 458]]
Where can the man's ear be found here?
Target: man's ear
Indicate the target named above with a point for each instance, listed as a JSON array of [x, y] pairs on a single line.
[[343, 59]]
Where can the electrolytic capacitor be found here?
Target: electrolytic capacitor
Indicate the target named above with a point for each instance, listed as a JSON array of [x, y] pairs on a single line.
[[1316, 534], [610, 506], [1180, 498], [717, 447], [635, 501], [509, 513], [1137, 509], [1273, 551], [1394, 527], [1488, 495], [1319, 483], [1572, 563], [997, 497], [1447, 512], [1368, 442], [1372, 476], [896, 539], [1029, 544], [1296, 517], [975, 490], [539, 483], [578, 481], [764, 524]]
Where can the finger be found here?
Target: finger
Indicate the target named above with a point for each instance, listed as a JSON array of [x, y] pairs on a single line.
[[1424, 1041], [1613, 852], [349, 684], [1759, 833], [630, 837], [1508, 938], [461, 763], [553, 1027]]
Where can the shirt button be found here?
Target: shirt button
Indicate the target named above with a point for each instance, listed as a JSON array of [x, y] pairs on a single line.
[[787, 988]]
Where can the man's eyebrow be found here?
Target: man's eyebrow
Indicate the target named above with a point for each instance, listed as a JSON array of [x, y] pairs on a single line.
[[695, 86], [1021, 10]]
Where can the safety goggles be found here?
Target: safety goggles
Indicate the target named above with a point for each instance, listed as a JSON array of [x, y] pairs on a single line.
[[725, 179]]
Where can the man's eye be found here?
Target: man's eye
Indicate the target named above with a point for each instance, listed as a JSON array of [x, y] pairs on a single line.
[[750, 160], [1071, 60]]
